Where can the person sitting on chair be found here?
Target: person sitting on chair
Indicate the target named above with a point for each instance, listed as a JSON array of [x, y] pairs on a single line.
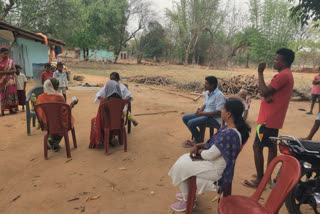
[[111, 91], [51, 95], [126, 95], [209, 113], [213, 161]]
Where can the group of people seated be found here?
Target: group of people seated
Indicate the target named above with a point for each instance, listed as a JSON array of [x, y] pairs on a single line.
[[112, 90]]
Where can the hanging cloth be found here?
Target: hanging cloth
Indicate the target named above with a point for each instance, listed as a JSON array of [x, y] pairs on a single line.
[[44, 37]]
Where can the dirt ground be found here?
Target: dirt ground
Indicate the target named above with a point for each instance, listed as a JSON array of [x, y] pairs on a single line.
[[134, 182]]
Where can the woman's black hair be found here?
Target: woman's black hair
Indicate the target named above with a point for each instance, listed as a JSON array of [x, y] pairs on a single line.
[[116, 74], [236, 108], [4, 49]]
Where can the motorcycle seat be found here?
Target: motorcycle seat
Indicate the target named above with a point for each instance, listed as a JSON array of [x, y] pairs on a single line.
[[311, 145]]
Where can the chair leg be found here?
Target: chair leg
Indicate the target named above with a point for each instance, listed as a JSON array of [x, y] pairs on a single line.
[[34, 121], [191, 194], [211, 131], [227, 190], [121, 137], [202, 132], [45, 145], [129, 127], [106, 141], [74, 138], [66, 139], [28, 126]]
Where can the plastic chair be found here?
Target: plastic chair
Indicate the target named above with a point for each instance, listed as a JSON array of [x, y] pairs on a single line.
[[55, 114], [129, 122], [113, 123], [29, 113], [288, 178], [203, 130], [193, 189]]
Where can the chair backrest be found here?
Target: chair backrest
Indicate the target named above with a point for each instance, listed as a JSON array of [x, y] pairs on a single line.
[[37, 91], [288, 178], [111, 113], [57, 117]]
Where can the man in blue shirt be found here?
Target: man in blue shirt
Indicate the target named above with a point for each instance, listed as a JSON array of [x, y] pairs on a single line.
[[209, 113]]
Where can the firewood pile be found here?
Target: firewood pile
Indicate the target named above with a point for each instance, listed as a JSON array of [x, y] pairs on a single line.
[[193, 86], [228, 86], [156, 80], [234, 84]]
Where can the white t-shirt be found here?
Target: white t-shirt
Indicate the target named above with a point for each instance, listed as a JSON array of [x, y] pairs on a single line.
[[20, 80]]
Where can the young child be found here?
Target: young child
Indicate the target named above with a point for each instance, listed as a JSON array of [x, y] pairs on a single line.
[[47, 74], [315, 93], [21, 82], [243, 94], [60, 75]]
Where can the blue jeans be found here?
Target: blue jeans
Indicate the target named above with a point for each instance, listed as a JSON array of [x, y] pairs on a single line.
[[192, 122]]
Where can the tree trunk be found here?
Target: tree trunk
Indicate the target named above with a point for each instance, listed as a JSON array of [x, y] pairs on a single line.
[[247, 65], [188, 50], [139, 58]]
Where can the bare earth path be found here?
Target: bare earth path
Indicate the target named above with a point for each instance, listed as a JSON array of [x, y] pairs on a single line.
[[135, 182]]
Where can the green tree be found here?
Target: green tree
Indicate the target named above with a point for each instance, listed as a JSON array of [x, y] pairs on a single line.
[[306, 10], [154, 41]]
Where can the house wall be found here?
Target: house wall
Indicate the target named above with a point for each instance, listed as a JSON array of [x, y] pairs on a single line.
[[99, 55], [32, 53]]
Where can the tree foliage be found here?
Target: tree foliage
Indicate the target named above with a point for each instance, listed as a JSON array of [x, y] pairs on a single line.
[[306, 10]]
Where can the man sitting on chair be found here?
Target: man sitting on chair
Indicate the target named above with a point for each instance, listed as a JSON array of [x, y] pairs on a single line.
[[210, 112]]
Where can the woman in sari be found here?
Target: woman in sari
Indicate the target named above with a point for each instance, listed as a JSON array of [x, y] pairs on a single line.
[[212, 162], [112, 91], [8, 89], [51, 95]]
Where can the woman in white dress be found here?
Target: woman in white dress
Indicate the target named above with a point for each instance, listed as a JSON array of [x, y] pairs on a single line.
[[212, 162]]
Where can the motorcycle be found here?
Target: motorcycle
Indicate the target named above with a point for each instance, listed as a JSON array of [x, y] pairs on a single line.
[[307, 190]]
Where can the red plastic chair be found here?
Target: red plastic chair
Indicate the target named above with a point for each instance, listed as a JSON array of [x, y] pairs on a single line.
[[113, 123], [288, 178], [55, 114], [193, 189]]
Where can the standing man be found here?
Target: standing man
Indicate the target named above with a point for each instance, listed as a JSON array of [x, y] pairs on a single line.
[[315, 93], [209, 113], [60, 75], [273, 109]]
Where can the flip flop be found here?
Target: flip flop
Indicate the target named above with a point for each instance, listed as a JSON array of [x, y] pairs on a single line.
[[250, 183], [187, 144]]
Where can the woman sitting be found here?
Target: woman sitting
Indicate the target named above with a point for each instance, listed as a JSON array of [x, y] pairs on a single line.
[[213, 161], [51, 95], [112, 91]]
